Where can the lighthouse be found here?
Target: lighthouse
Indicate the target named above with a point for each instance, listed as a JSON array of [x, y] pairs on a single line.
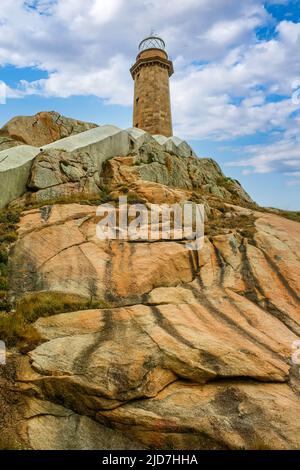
[[151, 73]]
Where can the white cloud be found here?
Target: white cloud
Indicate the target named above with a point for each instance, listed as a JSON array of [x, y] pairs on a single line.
[[281, 155], [108, 83]]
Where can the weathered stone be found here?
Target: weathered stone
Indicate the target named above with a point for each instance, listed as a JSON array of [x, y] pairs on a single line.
[[106, 140], [58, 167], [201, 330], [7, 143], [15, 166], [43, 128], [69, 256], [191, 349], [86, 152], [74, 165], [139, 137], [52, 427], [175, 145], [152, 163], [136, 351], [230, 415]]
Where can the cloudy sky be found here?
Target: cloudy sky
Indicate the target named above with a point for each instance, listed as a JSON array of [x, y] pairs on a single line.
[[235, 91]]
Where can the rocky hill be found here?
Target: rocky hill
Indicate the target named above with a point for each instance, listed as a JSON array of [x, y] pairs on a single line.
[[124, 344]]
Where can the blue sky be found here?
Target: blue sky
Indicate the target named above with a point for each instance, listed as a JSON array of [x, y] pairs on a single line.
[[235, 91]]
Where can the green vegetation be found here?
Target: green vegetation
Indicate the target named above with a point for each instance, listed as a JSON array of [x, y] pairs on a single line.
[[15, 327], [44, 304], [132, 196], [9, 443], [10, 403], [243, 224], [3, 283], [9, 217], [234, 188], [291, 215], [230, 185], [8, 237], [8, 234], [122, 188], [138, 163], [105, 194], [94, 199], [226, 182]]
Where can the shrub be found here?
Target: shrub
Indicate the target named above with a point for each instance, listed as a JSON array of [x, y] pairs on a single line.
[[16, 329], [9, 216], [105, 193], [245, 225], [5, 306], [79, 198], [133, 198], [8, 234], [8, 237], [295, 216], [11, 328], [230, 185], [3, 283], [43, 304], [122, 188], [3, 257]]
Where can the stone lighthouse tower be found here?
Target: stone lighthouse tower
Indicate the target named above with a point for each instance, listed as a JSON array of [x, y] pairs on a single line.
[[151, 72]]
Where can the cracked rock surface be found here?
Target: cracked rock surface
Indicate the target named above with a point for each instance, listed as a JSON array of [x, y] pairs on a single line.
[[41, 129], [166, 348], [194, 349]]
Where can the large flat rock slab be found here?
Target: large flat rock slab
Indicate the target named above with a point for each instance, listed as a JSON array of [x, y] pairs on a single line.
[[109, 140], [235, 415], [47, 426], [134, 352], [15, 165], [175, 323]]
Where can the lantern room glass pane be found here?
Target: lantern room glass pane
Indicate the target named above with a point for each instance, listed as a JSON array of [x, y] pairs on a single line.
[[152, 42]]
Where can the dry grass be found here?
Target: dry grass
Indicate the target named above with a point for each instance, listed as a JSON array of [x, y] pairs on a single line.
[[10, 404], [79, 198], [8, 234], [245, 225], [16, 327], [132, 196]]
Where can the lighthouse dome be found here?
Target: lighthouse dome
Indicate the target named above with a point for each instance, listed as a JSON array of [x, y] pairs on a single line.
[[152, 42]]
